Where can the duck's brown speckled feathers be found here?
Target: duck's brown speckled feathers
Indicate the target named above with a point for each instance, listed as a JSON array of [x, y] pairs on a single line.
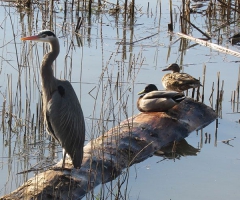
[[178, 81]]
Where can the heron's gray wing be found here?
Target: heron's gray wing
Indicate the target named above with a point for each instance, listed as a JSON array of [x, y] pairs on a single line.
[[66, 120], [49, 127]]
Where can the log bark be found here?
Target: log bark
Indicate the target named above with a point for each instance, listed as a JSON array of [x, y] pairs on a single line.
[[133, 141]]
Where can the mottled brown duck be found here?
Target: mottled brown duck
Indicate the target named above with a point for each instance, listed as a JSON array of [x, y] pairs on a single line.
[[177, 81]]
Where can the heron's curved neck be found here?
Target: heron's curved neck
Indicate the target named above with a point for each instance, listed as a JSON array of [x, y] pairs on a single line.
[[48, 79]]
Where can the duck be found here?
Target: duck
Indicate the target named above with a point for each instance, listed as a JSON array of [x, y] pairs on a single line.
[[154, 100], [177, 81]]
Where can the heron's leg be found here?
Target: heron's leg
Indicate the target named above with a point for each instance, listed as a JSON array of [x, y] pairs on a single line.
[[64, 157]]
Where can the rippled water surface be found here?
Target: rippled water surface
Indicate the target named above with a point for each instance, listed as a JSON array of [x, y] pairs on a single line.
[[102, 59]]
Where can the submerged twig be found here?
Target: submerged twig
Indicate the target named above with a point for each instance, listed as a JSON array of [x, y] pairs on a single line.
[[228, 6], [130, 43], [196, 28]]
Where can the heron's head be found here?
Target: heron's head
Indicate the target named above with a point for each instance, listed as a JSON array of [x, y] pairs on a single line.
[[173, 67], [42, 36], [149, 88]]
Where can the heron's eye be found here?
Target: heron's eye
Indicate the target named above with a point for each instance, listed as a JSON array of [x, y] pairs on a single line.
[[44, 35]]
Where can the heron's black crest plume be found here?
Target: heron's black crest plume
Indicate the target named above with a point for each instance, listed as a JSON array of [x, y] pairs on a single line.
[[47, 33]]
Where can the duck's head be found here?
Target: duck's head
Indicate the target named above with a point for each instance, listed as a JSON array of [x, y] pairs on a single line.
[[173, 67], [148, 88], [42, 36]]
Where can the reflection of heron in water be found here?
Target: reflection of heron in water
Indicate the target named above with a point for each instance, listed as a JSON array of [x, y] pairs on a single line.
[[62, 111]]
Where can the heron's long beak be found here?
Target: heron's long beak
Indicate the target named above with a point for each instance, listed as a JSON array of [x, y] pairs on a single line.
[[34, 37]]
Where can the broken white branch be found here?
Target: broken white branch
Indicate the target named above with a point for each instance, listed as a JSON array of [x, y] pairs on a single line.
[[211, 45]]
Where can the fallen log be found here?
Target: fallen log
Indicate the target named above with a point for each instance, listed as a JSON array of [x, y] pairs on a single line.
[[133, 141]]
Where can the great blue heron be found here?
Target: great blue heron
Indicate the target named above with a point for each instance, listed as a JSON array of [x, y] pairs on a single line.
[[63, 114]]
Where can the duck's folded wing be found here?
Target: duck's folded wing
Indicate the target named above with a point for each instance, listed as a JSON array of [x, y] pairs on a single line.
[[185, 78], [162, 94]]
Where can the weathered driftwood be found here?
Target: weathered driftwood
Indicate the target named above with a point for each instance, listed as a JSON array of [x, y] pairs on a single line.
[[134, 140], [211, 45]]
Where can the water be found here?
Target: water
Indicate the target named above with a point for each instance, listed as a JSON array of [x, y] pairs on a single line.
[[93, 69]]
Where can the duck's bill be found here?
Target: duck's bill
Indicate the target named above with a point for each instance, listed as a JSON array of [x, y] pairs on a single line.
[[166, 69], [142, 92], [34, 37]]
